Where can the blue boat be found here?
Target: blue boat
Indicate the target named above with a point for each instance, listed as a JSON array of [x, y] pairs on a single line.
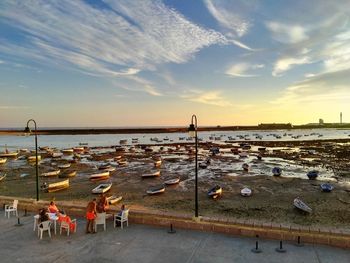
[[326, 187], [312, 174], [276, 171], [215, 192]]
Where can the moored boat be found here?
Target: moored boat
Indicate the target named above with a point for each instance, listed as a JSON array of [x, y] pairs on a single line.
[[99, 176], [276, 171], [33, 158], [102, 188], [215, 192], [3, 160], [298, 203], [312, 174], [114, 199], [246, 192], [158, 163], [243, 154], [155, 174], [67, 174], [64, 166], [51, 173], [67, 151], [8, 154], [326, 187], [2, 177], [54, 187], [156, 190], [245, 167], [172, 181]]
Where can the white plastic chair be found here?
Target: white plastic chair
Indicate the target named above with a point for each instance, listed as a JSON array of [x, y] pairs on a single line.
[[100, 220], [44, 226], [36, 221], [11, 208], [122, 218], [66, 225]]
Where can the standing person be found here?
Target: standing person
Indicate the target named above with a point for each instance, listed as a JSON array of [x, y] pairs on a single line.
[[90, 216], [102, 205]]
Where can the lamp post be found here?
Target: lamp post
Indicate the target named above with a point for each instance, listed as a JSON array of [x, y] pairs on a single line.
[[27, 130], [192, 130]]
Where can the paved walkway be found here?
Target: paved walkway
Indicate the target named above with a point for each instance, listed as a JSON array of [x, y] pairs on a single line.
[[142, 244]]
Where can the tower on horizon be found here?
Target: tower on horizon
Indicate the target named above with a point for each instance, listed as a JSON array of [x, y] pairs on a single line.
[[341, 118]]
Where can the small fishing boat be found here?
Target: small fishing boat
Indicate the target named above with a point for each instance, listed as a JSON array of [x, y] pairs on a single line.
[[298, 203], [202, 165], [56, 154], [118, 157], [246, 192], [99, 176], [23, 175], [123, 141], [78, 149], [326, 187], [215, 192], [245, 167], [2, 177], [276, 171], [102, 188], [23, 150], [3, 160], [104, 167], [8, 154], [172, 181], [114, 199], [243, 154], [122, 163], [68, 151], [261, 149], [68, 174], [54, 187], [52, 173], [158, 163], [312, 174], [156, 190], [64, 166], [33, 158], [155, 174]]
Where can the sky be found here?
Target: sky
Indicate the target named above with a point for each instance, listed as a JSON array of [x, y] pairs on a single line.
[[122, 63]]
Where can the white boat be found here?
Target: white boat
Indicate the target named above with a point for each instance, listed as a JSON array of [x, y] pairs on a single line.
[[102, 188], [156, 190], [52, 173], [114, 199], [298, 203], [56, 154], [3, 160], [33, 158], [99, 176], [172, 181], [54, 187], [246, 192], [155, 174], [2, 177], [64, 166], [7, 154]]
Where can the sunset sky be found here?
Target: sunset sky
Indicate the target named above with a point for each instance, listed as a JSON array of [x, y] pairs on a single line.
[[155, 63]]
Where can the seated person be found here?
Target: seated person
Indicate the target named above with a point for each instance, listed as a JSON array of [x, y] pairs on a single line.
[[62, 217], [122, 209], [43, 216], [53, 208]]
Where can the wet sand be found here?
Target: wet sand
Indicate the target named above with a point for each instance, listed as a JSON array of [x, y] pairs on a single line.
[[272, 198]]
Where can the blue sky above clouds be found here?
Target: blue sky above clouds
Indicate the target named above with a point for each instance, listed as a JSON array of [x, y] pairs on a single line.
[[144, 63]]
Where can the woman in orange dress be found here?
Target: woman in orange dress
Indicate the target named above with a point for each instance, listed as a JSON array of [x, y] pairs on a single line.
[[90, 216], [53, 208]]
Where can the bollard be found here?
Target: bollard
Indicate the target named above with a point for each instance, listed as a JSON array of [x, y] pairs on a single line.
[[256, 249], [171, 231], [299, 244], [18, 222], [280, 249]]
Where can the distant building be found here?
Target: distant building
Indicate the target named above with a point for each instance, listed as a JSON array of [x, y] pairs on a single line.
[[320, 122], [341, 118], [275, 126]]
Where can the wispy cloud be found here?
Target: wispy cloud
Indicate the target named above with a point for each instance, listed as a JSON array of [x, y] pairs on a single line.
[[208, 97], [284, 64], [123, 39], [287, 33], [241, 70], [7, 107]]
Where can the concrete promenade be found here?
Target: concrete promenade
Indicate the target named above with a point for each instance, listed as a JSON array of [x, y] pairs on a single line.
[[140, 243]]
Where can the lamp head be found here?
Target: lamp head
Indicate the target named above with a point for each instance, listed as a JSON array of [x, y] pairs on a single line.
[[27, 130], [192, 130]]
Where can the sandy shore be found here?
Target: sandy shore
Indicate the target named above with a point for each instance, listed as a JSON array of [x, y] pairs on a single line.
[[272, 196]]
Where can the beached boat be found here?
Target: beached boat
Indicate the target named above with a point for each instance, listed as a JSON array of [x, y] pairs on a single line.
[[102, 188], [156, 190], [202, 165], [123, 141], [99, 176], [155, 174], [312, 174], [10, 155], [23, 150], [215, 192], [158, 163], [52, 173], [246, 192], [3, 160], [78, 149], [276, 171], [122, 163], [114, 199], [245, 167], [67, 174], [56, 154], [326, 187], [64, 166], [104, 167], [172, 181], [54, 187], [243, 154], [298, 203], [33, 158], [67, 151], [2, 177], [118, 157]]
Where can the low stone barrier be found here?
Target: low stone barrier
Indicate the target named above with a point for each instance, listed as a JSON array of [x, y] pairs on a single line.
[[238, 227]]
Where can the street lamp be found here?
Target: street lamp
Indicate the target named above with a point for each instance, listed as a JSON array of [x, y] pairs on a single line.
[[192, 131], [27, 131]]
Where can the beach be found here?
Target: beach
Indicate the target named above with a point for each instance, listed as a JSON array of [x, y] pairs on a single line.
[[272, 198]]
